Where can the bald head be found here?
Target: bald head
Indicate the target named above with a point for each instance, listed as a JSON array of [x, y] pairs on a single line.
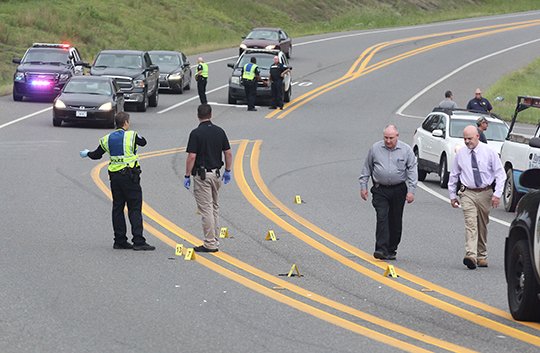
[[471, 136], [276, 59], [200, 59], [390, 134]]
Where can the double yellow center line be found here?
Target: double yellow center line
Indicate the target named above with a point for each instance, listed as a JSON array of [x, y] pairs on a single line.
[[360, 66]]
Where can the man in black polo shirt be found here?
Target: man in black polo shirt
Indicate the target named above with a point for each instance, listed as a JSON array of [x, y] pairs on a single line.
[[277, 72], [205, 147]]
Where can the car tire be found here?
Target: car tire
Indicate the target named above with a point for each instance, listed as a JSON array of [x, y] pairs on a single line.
[[17, 97], [421, 173], [57, 122], [522, 285], [287, 95], [289, 53], [180, 88], [142, 106], [510, 194], [154, 98], [188, 86], [444, 175], [231, 100]]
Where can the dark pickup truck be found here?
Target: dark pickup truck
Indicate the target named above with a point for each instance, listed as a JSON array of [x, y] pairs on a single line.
[[134, 72]]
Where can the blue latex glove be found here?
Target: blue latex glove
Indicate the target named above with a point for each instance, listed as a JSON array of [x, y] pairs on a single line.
[[84, 153], [227, 177], [187, 182]]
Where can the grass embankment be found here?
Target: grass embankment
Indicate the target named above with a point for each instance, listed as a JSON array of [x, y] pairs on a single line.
[[204, 25], [524, 82]]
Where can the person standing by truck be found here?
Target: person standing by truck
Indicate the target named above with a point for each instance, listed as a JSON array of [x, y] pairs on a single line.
[[479, 103]]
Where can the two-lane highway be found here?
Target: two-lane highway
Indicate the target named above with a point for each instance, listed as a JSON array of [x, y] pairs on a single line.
[[65, 289]]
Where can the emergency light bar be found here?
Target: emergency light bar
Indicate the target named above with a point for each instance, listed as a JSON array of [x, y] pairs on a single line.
[[50, 45]]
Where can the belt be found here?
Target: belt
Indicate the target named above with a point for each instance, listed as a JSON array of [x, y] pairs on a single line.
[[479, 189], [377, 185]]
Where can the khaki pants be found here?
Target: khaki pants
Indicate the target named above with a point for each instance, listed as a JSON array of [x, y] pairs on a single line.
[[476, 206], [206, 196]]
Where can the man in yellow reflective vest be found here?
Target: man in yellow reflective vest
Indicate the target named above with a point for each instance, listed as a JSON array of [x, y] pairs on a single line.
[[124, 175], [202, 77], [250, 77]]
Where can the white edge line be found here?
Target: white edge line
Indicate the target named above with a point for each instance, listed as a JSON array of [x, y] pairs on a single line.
[[447, 200], [25, 117], [189, 100], [416, 96]]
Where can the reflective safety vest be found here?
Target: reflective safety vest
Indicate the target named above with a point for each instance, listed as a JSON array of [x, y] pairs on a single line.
[[249, 71], [204, 71], [121, 147]]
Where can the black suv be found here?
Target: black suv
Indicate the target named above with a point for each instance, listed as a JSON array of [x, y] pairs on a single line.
[[44, 70], [522, 251], [134, 72]]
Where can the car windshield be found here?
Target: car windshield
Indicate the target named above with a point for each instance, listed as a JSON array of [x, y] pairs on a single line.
[[263, 61], [46, 56], [263, 34], [496, 131], [88, 87], [165, 59], [126, 61]]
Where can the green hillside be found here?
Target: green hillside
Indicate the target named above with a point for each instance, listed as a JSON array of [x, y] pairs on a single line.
[[203, 25]]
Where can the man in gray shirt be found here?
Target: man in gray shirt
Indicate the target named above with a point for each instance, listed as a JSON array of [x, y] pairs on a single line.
[[448, 102], [392, 166]]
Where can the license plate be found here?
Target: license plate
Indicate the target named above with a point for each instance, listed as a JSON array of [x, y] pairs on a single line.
[[81, 114]]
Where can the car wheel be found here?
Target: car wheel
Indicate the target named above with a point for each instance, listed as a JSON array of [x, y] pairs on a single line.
[[57, 122], [289, 53], [443, 173], [231, 99], [154, 98], [510, 194], [17, 97], [522, 286], [421, 173], [287, 97], [142, 106], [180, 88]]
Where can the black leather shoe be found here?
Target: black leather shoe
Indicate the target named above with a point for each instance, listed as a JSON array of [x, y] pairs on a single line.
[[379, 255], [143, 247], [202, 248], [391, 256], [272, 107], [125, 245], [252, 109]]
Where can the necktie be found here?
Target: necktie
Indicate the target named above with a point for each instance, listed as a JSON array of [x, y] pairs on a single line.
[[476, 172]]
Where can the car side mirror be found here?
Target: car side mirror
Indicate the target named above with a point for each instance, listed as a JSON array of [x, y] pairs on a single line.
[[530, 178], [153, 67], [187, 64], [437, 133], [534, 142], [231, 65], [16, 60]]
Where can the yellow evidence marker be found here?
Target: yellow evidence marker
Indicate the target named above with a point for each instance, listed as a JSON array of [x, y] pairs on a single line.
[[190, 254], [223, 232], [179, 249], [270, 235], [297, 200], [294, 269], [390, 270]]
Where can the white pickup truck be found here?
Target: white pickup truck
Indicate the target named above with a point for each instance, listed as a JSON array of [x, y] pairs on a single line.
[[518, 153]]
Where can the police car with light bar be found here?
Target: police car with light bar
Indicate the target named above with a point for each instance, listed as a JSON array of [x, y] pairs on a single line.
[[44, 70]]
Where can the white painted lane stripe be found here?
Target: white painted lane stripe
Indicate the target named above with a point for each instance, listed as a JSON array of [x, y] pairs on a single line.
[[25, 117], [422, 92], [189, 100], [447, 200]]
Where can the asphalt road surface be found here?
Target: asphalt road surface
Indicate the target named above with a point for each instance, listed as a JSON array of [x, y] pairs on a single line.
[[64, 289]]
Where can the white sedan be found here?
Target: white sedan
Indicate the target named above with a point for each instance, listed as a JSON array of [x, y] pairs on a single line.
[[440, 136]]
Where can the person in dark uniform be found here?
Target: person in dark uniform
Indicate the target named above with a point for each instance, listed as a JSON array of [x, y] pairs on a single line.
[[482, 124], [202, 77], [479, 103], [277, 72], [204, 161], [392, 166], [250, 77], [124, 175]]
